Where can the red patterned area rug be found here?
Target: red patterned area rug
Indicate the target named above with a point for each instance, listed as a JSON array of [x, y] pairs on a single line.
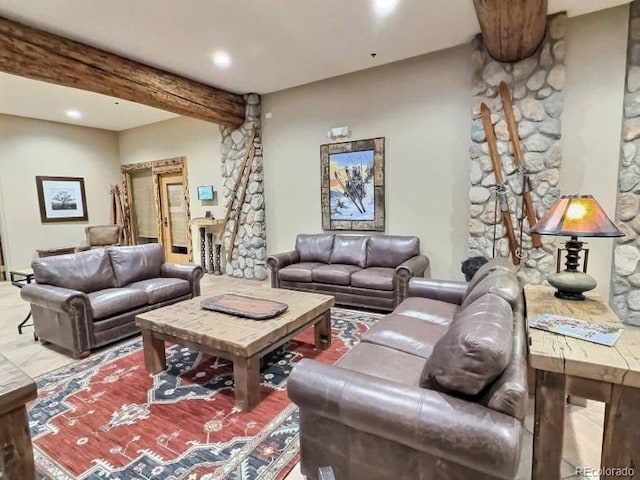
[[106, 418]]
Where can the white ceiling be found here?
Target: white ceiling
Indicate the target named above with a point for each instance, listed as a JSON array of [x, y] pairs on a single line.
[[274, 44]]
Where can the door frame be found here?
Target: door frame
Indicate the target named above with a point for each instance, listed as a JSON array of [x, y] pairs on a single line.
[[176, 166]]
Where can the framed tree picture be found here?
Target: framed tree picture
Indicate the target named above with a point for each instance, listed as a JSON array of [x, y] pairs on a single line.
[[352, 190], [62, 199]]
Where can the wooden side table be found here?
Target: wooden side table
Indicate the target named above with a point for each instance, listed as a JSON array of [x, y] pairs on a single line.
[[16, 453], [566, 365]]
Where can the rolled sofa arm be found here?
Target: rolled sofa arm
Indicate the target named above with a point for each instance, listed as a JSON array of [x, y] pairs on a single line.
[[280, 260], [414, 267], [455, 430], [449, 291], [189, 272], [51, 297]]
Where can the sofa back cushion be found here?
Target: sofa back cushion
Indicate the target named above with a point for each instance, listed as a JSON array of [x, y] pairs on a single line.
[[137, 262], [350, 250], [501, 283], [493, 265], [84, 271], [315, 247], [474, 351], [391, 250]]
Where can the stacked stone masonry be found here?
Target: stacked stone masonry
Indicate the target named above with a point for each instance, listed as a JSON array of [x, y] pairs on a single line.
[[250, 253], [625, 278], [536, 85]]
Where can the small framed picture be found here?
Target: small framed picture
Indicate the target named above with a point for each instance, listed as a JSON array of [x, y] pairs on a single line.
[[62, 199], [205, 192]]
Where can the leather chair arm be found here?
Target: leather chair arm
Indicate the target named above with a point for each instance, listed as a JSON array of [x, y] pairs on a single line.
[[449, 291], [432, 422], [280, 260], [54, 298], [189, 272], [414, 267]]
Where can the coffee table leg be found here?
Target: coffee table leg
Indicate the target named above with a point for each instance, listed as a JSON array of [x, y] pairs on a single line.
[[16, 453], [155, 359], [322, 330], [246, 376]]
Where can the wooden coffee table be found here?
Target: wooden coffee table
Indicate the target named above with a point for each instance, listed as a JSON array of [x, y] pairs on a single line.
[[240, 340]]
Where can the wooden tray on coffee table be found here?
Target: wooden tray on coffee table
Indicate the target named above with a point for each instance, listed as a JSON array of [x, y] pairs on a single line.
[[244, 306]]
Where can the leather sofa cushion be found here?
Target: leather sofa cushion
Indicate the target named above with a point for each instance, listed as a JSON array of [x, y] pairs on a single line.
[[299, 272], [391, 250], [87, 271], [407, 334], [314, 247], [138, 262], [377, 278], [493, 265], [112, 301], [350, 250], [383, 362], [160, 289], [502, 284], [428, 309], [475, 350], [334, 274]]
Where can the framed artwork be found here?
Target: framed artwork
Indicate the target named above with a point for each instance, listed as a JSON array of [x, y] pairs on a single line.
[[62, 199], [205, 192], [352, 190]]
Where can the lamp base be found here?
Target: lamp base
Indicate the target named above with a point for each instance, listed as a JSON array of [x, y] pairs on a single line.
[[572, 285]]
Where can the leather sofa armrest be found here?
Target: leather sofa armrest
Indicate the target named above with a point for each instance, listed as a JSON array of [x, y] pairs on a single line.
[[189, 272], [414, 267], [280, 260], [432, 422], [54, 298], [449, 291]]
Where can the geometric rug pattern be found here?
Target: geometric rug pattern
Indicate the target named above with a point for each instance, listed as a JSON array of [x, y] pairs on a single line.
[[106, 417]]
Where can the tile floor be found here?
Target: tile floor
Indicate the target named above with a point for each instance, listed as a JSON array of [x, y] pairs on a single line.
[[583, 429]]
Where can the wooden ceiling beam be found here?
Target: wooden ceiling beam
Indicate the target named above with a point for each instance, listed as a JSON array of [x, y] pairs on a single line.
[[512, 29], [36, 54]]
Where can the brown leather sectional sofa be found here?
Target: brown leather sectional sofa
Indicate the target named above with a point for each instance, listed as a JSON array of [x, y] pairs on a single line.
[[358, 270], [84, 300], [435, 390]]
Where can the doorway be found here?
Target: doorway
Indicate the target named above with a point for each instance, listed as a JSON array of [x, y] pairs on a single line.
[[173, 216], [156, 202]]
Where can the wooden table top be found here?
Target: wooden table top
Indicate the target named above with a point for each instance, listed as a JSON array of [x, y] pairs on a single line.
[[16, 387], [228, 333], [548, 351]]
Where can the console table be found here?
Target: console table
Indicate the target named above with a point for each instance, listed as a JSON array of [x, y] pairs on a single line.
[[565, 365], [206, 249], [16, 453]]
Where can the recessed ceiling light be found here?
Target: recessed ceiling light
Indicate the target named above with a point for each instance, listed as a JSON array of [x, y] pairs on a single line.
[[384, 7], [75, 114], [221, 59]]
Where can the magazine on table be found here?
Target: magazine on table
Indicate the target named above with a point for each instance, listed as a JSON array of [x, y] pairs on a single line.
[[573, 327]]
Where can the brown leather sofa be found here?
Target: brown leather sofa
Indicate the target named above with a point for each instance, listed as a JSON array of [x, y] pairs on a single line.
[[370, 271], [88, 299], [436, 390]]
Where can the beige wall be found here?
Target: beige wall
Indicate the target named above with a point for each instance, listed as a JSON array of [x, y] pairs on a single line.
[[422, 107], [592, 119], [196, 140], [33, 147]]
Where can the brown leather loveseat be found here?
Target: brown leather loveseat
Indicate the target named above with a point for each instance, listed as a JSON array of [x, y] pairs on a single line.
[[87, 299], [435, 390], [359, 270]]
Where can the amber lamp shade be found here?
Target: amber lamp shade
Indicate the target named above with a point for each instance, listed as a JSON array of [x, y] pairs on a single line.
[[575, 216]]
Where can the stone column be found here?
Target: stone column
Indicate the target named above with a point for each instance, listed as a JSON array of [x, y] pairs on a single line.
[[536, 85], [249, 254], [625, 278]]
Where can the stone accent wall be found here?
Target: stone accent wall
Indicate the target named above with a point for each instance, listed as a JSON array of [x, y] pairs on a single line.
[[536, 85], [250, 254], [625, 278]]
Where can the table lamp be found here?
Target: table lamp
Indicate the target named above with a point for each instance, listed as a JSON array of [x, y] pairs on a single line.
[[575, 216]]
